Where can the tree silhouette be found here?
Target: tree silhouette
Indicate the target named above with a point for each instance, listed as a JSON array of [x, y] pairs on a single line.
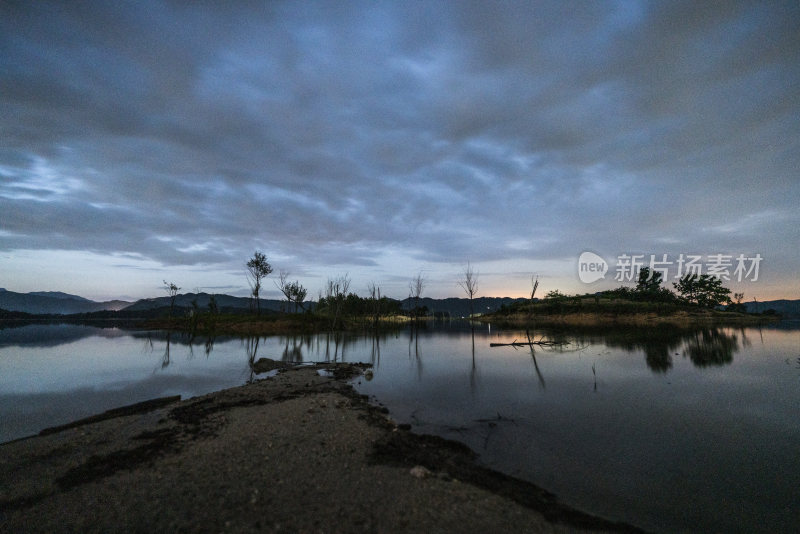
[[415, 287], [375, 302], [293, 291], [335, 295], [297, 294], [257, 269], [469, 283], [284, 286], [172, 291], [649, 281], [704, 290]]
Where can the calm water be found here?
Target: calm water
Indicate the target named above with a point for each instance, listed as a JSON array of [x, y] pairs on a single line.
[[672, 431]]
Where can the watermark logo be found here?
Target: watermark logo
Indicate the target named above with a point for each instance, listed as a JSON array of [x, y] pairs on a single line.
[[741, 267], [722, 266], [591, 267]]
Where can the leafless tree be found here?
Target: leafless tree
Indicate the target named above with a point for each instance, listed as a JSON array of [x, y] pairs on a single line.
[[335, 294], [257, 269], [415, 287], [297, 294], [172, 291], [469, 283], [285, 286], [534, 287], [375, 301]]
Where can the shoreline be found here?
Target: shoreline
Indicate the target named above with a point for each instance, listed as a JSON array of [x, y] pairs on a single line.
[[591, 318], [294, 324], [302, 451]]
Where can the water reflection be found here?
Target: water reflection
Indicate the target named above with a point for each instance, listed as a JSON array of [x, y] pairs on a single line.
[[473, 373], [375, 354], [711, 347], [535, 363], [15, 334], [251, 348], [530, 409], [293, 348], [660, 345], [417, 354], [208, 346], [595, 418], [705, 346], [165, 357]]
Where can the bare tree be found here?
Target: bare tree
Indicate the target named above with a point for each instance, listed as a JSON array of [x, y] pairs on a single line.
[[335, 294], [469, 283], [375, 302], [257, 269], [293, 291], [172, 291], [297, 294], [285, 286], [415, 287], [534, 286]]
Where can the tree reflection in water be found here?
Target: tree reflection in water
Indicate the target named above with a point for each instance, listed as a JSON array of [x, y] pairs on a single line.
[[473, 373], [711, 346], [209, 345], [375, 355], [251, 347], [705, 346], [293, 350], [413, 340], [165, 357]]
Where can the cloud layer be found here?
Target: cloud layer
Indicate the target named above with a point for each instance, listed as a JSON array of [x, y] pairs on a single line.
[[382, 136]]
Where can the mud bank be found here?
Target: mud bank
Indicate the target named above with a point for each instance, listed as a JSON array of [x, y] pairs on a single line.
[[299, 452]]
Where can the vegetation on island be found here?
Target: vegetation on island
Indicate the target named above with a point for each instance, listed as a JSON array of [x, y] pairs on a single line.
[[694, 298]]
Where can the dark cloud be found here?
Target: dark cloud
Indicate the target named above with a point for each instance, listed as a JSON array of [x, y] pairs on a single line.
[[350, 135]]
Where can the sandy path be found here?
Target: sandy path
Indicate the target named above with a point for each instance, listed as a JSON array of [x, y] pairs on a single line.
[[296, 453]]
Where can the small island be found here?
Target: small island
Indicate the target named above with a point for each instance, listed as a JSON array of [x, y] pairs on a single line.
[[697, 300]]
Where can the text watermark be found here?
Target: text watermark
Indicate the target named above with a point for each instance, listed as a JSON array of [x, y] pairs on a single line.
[[592, 267]]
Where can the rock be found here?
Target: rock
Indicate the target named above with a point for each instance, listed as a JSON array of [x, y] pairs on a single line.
[[419, 471], [265, 365]]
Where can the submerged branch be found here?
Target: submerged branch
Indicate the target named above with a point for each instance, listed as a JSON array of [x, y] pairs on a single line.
[[516, 343]]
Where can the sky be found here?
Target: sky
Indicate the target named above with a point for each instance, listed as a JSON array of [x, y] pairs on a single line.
[[146, 141]]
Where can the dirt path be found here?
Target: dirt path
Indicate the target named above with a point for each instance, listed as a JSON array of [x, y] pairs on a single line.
[[298, 452]]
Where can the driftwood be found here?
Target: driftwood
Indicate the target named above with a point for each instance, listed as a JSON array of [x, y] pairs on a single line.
[[516, 343]]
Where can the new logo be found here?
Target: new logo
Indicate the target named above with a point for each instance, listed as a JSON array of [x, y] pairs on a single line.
[[591, 267]]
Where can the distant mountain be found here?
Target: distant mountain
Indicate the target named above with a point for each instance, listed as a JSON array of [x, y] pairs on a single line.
[[224, 302], [456, 307], [54, 302], [57, 302], [58, 295], [787, 308], [15, 315]]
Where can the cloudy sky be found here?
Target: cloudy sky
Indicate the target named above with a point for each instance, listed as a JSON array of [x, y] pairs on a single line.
[[143, 141]]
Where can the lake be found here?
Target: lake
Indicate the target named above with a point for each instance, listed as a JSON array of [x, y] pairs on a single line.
[[671, 430]]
